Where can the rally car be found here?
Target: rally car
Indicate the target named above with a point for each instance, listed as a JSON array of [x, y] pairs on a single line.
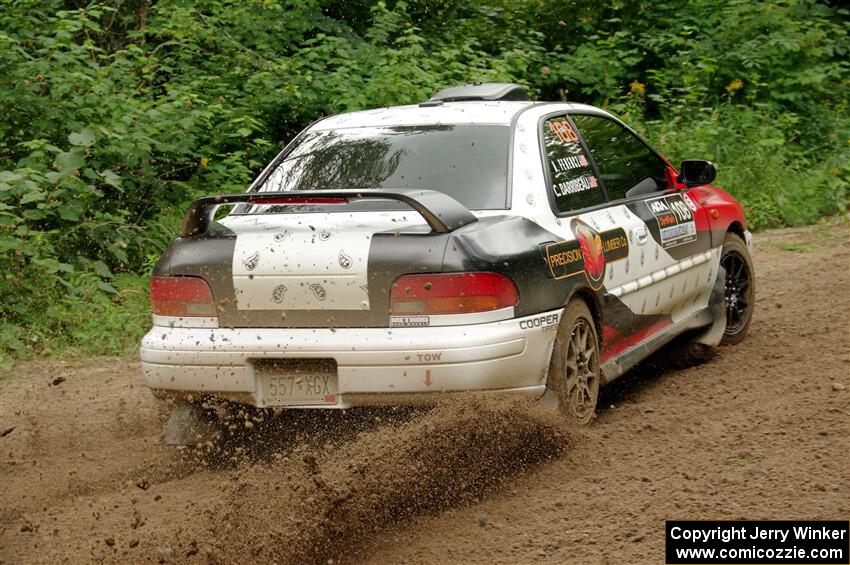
[[477, 241]]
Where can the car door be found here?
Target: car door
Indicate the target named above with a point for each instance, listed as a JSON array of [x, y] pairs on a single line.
[[598, 242], [669, 273]]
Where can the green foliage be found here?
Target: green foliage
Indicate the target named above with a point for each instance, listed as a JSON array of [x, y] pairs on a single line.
[[117, 114], [759, 163]]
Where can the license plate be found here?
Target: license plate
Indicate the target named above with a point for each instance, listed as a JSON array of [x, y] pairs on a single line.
[[296, 382]]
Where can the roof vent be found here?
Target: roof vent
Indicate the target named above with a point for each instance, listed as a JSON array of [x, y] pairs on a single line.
[[493, 91]]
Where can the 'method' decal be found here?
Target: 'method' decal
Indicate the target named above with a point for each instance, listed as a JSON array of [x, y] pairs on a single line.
[[410, 321], [675, 217], [588, 253]]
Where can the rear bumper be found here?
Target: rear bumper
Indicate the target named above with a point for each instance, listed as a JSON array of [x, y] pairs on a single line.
[[374, 365]]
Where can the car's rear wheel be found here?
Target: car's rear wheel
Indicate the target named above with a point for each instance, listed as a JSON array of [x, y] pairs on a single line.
[[740, 288], [574, 375]]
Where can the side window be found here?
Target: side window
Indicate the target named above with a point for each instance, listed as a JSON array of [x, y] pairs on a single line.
[[626, 165], [574, 183]]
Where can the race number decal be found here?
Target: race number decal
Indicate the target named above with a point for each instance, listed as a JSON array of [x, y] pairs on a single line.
[[675, 217]]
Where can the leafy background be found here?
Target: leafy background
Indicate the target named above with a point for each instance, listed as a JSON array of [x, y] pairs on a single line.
[[116, 114]]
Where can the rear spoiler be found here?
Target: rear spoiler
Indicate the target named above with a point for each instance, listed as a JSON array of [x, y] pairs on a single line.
[[442, 212]]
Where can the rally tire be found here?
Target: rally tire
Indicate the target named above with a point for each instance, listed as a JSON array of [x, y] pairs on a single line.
[[574, 376], [739, 288]]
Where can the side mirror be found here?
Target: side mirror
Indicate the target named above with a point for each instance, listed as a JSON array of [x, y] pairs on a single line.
[[696, 172]]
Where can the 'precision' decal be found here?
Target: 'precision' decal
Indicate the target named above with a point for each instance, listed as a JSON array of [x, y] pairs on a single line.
[[588, 253]]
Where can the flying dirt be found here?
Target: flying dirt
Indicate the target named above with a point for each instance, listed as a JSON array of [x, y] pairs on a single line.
[[761, 431]]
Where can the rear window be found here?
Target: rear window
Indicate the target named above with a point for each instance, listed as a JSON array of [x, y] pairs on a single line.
[[467, 162]]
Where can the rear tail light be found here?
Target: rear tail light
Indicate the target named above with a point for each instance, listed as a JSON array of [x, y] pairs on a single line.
[[452, 293], [181, 296]]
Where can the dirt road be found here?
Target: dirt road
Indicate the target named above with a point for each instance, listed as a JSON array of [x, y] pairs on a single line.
[[761, 431]]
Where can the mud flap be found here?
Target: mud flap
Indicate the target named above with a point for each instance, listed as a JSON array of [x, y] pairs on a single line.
[[549, 401], [188, 425], [717, 303]]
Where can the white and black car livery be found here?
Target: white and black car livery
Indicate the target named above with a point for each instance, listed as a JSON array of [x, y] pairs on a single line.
[[475, 242]]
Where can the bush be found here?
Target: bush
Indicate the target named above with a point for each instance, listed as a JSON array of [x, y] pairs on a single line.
[[758, 162], [117, 114]]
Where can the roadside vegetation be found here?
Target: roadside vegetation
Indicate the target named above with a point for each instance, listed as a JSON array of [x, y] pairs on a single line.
[[115, 115]]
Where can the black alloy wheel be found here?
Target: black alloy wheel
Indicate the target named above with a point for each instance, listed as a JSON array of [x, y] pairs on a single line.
[[739, 288]]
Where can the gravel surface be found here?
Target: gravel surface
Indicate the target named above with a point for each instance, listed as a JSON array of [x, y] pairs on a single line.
[[762, 431]]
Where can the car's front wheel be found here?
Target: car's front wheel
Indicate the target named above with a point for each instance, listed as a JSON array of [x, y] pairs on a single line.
[[574, 375], [740, 288]]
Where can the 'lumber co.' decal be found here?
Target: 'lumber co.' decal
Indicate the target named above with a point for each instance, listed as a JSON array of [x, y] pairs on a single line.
[[588, 253]]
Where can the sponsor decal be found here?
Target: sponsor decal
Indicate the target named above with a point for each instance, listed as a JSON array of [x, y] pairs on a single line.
[[587, 254], [250, 262], [344, 260], [278, 293], [410, 321], [675, 217], [319, 291], [547, 321]]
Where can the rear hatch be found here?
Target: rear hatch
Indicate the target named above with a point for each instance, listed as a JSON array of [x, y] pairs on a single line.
[[321, 269]]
